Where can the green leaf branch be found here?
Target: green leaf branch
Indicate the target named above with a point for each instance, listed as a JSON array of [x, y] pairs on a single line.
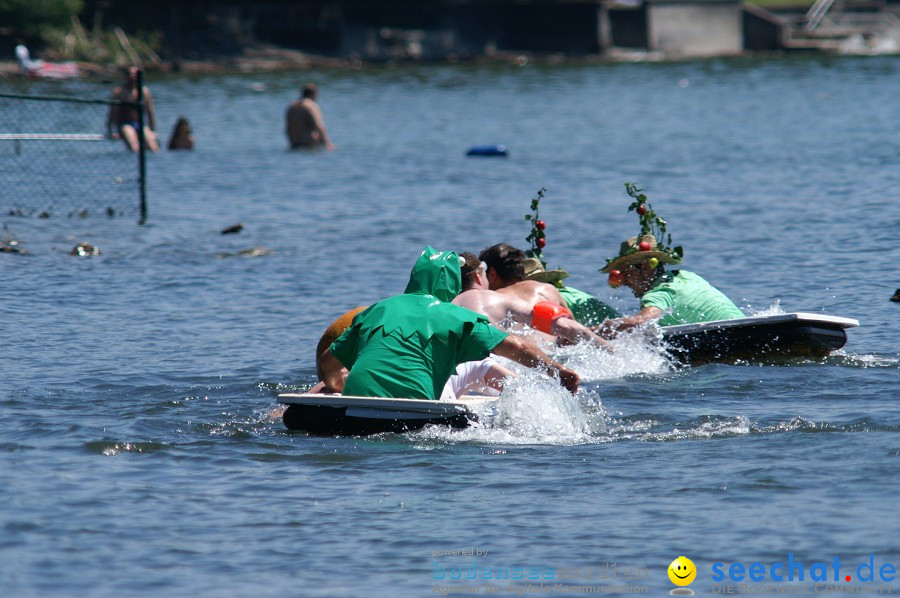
[[537, 232]]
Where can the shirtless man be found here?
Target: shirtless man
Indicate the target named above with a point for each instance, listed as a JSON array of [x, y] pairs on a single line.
[[305, 127], [497, 305], [506, 274], [123, 120]]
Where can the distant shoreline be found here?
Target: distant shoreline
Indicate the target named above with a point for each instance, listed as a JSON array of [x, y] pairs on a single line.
[[276, 59]]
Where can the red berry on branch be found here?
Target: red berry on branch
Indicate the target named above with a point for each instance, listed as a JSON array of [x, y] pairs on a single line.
[[540, 224], [615, 278], [541, 243], [644, 246], [642, 209]]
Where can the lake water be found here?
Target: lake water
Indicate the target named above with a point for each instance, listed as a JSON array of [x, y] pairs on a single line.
[[137, 456]]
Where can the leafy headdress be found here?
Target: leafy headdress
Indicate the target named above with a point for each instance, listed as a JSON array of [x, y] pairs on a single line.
[[535, 265], [653, 245]]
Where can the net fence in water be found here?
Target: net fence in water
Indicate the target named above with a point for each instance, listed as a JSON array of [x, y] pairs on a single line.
[[55, 161]]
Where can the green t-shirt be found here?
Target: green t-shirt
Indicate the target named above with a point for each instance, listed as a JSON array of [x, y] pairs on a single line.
[[587, 309], [686, 298], [408, 346]]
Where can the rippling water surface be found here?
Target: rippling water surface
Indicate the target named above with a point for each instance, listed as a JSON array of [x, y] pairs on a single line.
[[137, 452]]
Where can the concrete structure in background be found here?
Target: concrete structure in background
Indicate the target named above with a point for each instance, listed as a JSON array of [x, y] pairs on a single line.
[[381, 30], [695, 28], [676, 28]]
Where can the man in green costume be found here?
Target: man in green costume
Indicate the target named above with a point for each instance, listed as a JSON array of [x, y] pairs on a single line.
[[670, 298], [407, 346]]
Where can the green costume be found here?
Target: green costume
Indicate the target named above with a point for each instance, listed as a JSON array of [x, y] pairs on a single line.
[[686, 298], [587, 309], [407, 346]]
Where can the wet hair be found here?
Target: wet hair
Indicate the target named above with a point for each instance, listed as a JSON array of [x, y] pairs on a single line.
[[469, 268], [309, 90], [181, 135], [506, 260], [182, 122]]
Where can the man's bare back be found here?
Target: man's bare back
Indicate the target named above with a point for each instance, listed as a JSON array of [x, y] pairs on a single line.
[[304, 123], [532, 291], [496, 306], [305, 127]]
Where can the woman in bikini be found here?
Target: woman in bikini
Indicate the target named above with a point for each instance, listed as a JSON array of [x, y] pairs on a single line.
[[123, 120]]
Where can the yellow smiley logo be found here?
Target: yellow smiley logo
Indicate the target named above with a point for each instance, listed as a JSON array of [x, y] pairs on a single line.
[[682, 571]]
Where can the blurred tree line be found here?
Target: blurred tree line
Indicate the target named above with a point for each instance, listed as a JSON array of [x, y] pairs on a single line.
[[57, 28], [31, 18]]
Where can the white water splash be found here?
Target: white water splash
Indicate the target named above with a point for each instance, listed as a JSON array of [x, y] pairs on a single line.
[[713, 428], [773, 310], [639, 351], [842, 358], [534, 409]]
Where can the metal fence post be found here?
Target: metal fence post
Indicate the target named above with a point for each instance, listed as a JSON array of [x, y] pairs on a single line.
[[142, 146]]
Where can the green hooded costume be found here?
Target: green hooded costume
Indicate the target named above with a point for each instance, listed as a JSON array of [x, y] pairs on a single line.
[[407, 346]]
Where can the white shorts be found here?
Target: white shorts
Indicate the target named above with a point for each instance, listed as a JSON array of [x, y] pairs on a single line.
[[470, 375]]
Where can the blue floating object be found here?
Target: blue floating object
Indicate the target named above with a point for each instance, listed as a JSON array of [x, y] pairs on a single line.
[[487, 150]]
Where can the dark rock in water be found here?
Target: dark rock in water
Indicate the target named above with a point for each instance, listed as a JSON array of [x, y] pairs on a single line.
[[234, 228], [12, 247], [896, 297], [85, 249]]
